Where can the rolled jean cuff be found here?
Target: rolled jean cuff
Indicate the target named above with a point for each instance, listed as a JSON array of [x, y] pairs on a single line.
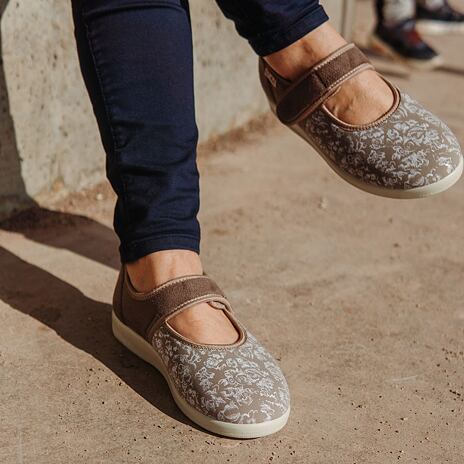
[[277, 39], [139, 249]]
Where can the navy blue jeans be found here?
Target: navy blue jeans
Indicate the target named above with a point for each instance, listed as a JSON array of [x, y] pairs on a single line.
[[136, 60]]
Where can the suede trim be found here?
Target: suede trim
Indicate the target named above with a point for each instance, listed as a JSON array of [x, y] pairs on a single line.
[[319, 83], [145, 312], [358, 127]]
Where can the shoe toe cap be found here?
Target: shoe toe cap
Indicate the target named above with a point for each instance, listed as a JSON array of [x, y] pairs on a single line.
[[248, 387], [431, 152], [241, 384], [411, 148]]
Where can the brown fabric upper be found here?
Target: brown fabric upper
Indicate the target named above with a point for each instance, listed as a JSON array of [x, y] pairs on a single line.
[[235, 383], [406, 148], [304, 95], [145, 312]]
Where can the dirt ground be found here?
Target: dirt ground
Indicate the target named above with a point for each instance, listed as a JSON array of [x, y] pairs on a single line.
[[360, 299]]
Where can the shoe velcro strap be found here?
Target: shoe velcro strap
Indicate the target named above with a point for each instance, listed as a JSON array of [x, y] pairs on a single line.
[[174, 296], [321, 81]]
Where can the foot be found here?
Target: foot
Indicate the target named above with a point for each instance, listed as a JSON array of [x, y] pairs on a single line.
[[238, 391], [409, 153], [404, 43], [441, 20], [201, 323], [361, 100]]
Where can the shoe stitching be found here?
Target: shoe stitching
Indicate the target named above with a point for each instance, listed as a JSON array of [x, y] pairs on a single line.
[[330, 58], [327, 93], [356, 128], [140, 296], [201, 346]]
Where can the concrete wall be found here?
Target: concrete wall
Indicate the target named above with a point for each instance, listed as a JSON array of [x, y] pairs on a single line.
[[48, 136]]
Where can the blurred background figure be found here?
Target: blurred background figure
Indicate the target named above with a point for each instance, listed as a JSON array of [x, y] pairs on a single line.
[[401, 22]]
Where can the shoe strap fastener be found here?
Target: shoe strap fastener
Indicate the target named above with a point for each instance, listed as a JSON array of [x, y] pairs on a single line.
[[320, 82], [179, 294]]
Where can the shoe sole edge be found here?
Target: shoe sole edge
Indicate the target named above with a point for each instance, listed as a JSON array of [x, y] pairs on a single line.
[[379, 45], [430, 27], [140, 347]]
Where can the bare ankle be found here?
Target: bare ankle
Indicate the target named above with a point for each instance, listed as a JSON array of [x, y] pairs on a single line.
[[361, 100], [156, 268], [294, 60]]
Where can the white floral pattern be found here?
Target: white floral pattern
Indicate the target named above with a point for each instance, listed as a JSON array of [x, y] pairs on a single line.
[[240, 384], [410, 148]]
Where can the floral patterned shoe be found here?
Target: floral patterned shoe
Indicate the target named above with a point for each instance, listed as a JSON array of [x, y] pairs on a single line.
[[407, 153], [233, 390]]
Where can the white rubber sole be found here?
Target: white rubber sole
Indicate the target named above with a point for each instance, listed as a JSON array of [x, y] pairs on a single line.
[[429, 27], [418, 192], [383, 48], [145, 351]]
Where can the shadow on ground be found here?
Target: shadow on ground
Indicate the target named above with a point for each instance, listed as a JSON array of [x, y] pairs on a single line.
[[78, 319], [81, 321], [78, 234]]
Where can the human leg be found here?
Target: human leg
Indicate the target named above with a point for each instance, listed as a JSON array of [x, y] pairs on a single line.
[[328, 93], [295, 35], [136, 59]]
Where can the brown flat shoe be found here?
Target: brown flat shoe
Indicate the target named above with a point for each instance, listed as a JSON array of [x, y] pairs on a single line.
[[234, 390], [406, 153]]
